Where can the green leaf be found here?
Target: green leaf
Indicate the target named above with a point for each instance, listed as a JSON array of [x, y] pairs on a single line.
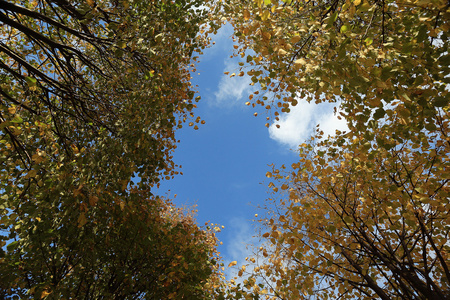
[[332, 19], [441, 102], [368, 41], [430, 126], [12, 246], [379, 113], [31, 81], [5, 124], [331, 229], [348, 220], [419, 190], [17, 119]]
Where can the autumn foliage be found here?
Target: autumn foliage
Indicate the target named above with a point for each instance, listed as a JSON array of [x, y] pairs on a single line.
[[363, 214], [91, 93]]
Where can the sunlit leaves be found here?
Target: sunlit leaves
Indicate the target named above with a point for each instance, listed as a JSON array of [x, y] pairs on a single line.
[[358, 210], [352, 51], [347, 211], [92, 93]]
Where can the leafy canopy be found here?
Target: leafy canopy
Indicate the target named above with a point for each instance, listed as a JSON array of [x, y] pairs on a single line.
[[362, 214], [91, 95]]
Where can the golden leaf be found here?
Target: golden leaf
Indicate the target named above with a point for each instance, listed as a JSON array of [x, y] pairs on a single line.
[[93, 200], [266, 35], [44, 294], [233, 263], [246, 15], [82, 220], [282, 52], [295, 39], [12, 110], [300, 62]]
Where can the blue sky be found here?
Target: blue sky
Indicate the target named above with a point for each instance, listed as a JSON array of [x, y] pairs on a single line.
[[224, 162]]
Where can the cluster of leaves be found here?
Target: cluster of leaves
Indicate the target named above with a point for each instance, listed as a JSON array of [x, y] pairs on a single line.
[[365, 54], [91, 94], [363, 214], [138, 247], [359, 223]]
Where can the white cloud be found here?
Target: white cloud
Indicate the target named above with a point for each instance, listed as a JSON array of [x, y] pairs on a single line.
[[232, 91], [240, 243], [245, 242], [299, 124]]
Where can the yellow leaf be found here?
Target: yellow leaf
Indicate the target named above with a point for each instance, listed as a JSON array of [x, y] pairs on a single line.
[[82, 220], [44, 294], [265, 15], [12, 110], [295, 39], [357, 2], [38, 158], [266, 35], [268, 174], [31, 174], [246, 15], [300, 61], [233, 263], [93, 200], [75, 148], [282, 52]]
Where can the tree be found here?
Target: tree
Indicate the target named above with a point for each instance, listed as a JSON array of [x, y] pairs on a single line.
[[363, 214], [91, 95], [140, 248], [356, 224], [71, 71], [366, 55]]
